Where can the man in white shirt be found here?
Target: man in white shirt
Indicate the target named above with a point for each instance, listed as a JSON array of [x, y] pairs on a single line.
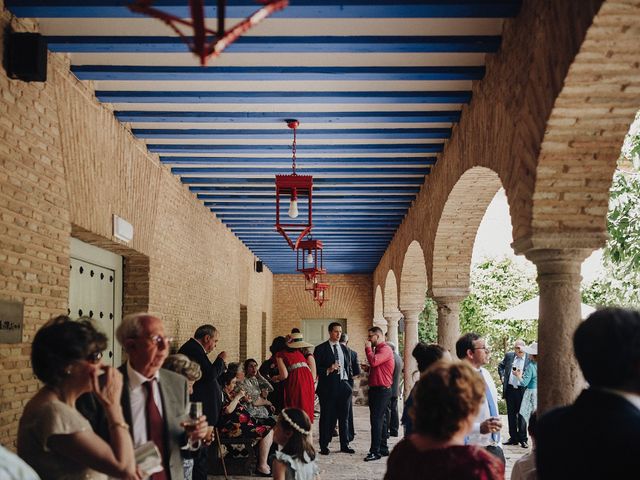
[[512, 392], [472, 348]]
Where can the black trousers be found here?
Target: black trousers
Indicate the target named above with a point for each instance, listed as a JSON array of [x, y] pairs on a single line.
[[393, 419], [335, 405], [379, 398], [200, 465], [517, 425]]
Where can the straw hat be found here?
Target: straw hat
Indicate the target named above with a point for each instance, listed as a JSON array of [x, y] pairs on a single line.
[[296, 340], [531, 349]]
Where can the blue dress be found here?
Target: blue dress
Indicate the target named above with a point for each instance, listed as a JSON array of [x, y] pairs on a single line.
[[530, 398]]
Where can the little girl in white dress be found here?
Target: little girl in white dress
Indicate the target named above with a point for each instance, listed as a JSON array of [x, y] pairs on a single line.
[[295, 460]]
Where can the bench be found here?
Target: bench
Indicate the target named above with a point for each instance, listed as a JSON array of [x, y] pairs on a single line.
[[221, 463]]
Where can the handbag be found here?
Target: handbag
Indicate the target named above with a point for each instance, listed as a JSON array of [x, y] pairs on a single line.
[[496, 451]]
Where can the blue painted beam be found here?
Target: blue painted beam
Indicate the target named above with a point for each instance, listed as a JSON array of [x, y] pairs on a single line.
[[299, 9], [304, 117], [348, 182], [303, 162], [360, 194], [345, 191], [281, 44], [301, 170], [279, 73], [323, 134], [225, 205], [316, 149], [282, 97]]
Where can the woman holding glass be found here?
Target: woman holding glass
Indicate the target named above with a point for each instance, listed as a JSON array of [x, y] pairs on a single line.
[[53, 437], [257, 389]]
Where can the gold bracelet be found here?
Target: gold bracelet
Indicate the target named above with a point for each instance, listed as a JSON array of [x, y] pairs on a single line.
[[119, 425]]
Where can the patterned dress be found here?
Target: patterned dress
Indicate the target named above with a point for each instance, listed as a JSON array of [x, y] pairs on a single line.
[[239, 424]]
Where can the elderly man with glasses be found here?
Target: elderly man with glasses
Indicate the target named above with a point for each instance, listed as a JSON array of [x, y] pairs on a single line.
[[154, 400]]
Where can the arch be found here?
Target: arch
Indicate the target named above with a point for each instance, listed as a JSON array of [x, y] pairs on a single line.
[[457, 228], [390, 305], [413, 278]]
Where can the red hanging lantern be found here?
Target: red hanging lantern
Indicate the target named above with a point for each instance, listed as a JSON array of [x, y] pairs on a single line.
[[309, 258], [299, 189], [199, 44], [321, 293]]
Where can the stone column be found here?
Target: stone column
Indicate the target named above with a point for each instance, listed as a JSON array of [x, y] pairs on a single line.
[[448, 304], [393, 319], [558, 259], [410, 341]]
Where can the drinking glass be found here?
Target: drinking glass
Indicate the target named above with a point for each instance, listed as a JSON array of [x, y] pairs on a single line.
[[193, 411]]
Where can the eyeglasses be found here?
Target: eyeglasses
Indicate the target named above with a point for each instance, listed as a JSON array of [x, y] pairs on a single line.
[[158, 340], [94, 357], [485, 348]]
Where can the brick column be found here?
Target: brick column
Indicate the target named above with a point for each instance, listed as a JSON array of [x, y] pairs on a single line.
[[393, 319], [448, 304], [559, 377], [410, 341]]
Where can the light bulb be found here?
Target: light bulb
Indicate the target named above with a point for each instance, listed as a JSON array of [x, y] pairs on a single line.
[[309, 257], [321, 294], [293, 207], [315, 279]]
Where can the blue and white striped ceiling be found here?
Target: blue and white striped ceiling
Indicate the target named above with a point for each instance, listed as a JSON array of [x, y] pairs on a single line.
[[376, 85]]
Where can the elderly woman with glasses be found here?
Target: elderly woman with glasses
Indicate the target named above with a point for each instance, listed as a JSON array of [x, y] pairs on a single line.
[[53, 437]]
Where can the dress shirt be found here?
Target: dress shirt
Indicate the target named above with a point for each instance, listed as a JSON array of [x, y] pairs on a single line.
[[632, 398], [519, 364], [381, 365], [343, 372], [138, 398], [475, 437]]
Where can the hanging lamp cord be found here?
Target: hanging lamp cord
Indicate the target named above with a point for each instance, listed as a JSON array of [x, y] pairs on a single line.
[[293, 160]]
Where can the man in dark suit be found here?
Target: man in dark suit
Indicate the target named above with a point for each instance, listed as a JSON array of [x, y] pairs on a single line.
[[154, 401], [393, 418], [333, 365], [598, 436], [207, 389], [512, 392], [354, 372]]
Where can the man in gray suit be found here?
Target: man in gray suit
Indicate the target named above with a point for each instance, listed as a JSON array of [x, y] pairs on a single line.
[[512, 392], [154, 400]]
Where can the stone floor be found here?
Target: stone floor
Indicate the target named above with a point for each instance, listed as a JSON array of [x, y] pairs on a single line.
[[340, 466]]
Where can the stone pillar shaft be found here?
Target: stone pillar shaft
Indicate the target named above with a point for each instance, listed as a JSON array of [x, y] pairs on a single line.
[[559, 377], [393, 319], [411, 317], [448, 321]]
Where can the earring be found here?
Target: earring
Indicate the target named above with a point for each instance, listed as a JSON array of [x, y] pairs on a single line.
[[67, 371]]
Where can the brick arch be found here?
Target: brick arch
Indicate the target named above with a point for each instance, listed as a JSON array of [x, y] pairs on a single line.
[[457, 228], [413, 277], [378, 304], [586, 128], [390, 294]]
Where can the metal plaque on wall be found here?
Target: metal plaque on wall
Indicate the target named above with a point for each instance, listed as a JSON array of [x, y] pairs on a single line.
[[11, 319]]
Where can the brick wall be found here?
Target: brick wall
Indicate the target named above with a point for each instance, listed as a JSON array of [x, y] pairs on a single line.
[[351, 298], [66, 166]]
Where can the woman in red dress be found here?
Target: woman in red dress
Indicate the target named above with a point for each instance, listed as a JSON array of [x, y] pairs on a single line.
[[299, 390]]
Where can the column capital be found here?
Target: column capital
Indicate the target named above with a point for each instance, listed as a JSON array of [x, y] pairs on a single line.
[[440, 293], [411, 314], [393, 316], [577, 245]]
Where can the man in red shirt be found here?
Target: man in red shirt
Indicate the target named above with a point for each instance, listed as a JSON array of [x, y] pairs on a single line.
[[381, 365]]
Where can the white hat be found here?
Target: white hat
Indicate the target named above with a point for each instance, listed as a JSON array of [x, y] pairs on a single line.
[[531, 349]]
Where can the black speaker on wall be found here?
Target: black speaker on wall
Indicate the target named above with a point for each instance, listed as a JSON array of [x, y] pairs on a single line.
[[26, 57], [259, 266]]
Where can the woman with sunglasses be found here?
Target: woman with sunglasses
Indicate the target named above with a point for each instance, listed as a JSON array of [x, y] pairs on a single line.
[[53, 437]]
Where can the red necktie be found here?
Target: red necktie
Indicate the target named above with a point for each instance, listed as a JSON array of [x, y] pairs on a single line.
[[155, 428]]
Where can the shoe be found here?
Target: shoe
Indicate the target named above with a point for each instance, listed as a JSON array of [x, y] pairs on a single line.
[[371, 457], [258, 473], [384, 453], [347, 449], [511, 442], [324, 451], [524, 444]]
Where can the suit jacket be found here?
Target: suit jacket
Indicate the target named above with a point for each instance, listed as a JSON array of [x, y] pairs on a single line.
[[355, 366], [397, 373], [206, 390], [173, 390], [504, 369], [596, 437], [323, 354]]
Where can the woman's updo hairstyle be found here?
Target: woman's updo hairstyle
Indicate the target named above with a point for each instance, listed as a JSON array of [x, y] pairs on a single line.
[[446, 394], [60, 342]]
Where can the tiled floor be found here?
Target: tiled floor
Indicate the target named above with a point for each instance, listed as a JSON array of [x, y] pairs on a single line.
[[341, 466]]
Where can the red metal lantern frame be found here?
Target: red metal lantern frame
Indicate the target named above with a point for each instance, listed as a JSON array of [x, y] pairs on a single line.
[[222, 38], [321, 293], [296, 187], [314, 247]]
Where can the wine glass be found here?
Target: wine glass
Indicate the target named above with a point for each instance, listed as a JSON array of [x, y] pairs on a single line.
[[193, 411]]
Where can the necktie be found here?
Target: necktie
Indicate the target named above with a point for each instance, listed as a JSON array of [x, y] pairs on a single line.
[[335, 354], [155, 428], [492, 408]]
